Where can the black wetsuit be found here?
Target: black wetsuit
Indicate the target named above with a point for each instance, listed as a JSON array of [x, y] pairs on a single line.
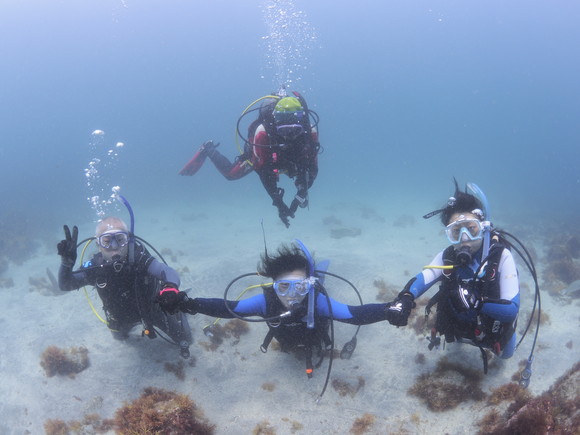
[[128, 293]]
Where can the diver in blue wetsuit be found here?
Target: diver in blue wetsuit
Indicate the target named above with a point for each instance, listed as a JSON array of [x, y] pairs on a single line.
[[478, 299], [295, 306]]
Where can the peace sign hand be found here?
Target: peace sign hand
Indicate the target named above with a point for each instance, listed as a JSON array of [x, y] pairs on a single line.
[[67, 248]]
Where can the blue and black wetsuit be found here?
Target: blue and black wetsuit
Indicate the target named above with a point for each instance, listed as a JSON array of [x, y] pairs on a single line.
[[128, 293], [491, 325], [291, 331]]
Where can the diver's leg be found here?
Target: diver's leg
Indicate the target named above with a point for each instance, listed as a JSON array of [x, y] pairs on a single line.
[[509, 348], [177, 327]]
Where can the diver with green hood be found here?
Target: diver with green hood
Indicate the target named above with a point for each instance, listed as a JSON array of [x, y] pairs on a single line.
[[295, 305], [479, 298], [127, 279], [282, 140]]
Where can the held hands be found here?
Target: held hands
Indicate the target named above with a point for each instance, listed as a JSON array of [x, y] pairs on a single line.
[[67, 248], [170, 299], [399, 310]]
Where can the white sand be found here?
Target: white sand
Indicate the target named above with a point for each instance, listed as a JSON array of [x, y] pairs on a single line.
[[227, 384]]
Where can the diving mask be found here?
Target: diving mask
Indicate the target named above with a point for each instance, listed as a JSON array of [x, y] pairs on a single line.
[[464, 230], [294, 287], [113, 240]]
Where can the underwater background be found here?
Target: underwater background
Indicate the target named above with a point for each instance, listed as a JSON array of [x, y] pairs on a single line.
[[104, 93], [409, 95]]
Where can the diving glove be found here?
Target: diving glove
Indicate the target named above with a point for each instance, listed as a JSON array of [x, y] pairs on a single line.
[[67, 248], [398, 311], [172, 301]]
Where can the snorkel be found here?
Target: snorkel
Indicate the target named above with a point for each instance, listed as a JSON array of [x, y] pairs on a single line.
[[478, 193], [311, 295], [121, 198]]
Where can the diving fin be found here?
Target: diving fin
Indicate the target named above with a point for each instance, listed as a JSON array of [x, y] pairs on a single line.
[[195, 163]]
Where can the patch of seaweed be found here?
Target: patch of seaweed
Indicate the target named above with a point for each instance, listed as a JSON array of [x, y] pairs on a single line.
[[218, 333], [67, 362], [159, 411], [90, 424], [447, 386], [348, 387], [264, 428], [178, 369], [555, 411], [295, 426], [387, 292], [508, 392], [268, 386], [363, 424]]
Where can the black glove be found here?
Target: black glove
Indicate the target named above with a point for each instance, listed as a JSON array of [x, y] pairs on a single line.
[[283, 211], [399, 310], [170, 299], [209, 147], [298, 201], [67, 248]]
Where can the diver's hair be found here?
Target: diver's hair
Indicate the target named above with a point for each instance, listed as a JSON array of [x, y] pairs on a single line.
[[286, 259], [464, 203], [110, 223]]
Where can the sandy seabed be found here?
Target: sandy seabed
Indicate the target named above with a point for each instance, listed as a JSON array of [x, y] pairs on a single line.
[[239, 389]]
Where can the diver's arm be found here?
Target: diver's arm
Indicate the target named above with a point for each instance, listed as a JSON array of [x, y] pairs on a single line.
[[507, 308], [425, 279], [72, 280], [216, 307], [353, 314], [164, 273]]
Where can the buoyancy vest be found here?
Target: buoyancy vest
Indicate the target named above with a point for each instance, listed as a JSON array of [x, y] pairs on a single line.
[[126, 289], [482, 330], [292, 332]]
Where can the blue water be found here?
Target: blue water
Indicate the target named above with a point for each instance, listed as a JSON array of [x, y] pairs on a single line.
[[410, 94]]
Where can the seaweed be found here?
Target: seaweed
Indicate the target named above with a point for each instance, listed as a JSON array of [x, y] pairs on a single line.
[[555, 411], [447, 386], [218, 333], [57, 361], [387, 292], [345, 387], [510, 391], [268, 386], [264, 428], [178, 369], [362, 424], [159, 411], [295, 426]]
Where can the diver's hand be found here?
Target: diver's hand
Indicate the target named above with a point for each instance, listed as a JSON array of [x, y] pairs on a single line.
[[170, 299], [67, 248], [208, 147], [298, 201], [398, 311], [284, 212]]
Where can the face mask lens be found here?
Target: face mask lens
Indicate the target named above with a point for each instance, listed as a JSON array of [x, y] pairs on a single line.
[[292, 287], [290, 130], [122, 238], [282, 287], [470, 227], [107, 240]]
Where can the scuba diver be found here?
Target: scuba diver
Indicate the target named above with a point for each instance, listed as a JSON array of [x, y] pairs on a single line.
[[282, 140], [127, 279], [295, 306], [478, 299]]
